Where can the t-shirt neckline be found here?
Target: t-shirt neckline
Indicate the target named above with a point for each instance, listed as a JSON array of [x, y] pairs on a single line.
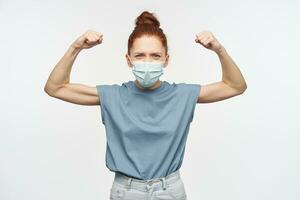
[[147, 91]]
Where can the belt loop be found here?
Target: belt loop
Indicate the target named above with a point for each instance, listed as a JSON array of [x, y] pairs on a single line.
[[129, 182], [164, 183]]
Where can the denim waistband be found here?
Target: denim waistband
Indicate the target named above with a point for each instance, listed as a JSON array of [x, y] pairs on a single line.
[[146, 185]]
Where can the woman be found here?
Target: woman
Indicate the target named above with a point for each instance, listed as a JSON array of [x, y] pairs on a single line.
[[146, 120]]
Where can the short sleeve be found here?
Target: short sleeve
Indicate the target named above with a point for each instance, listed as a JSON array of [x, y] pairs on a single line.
[[192, 91], [102, 93], [107, 95]]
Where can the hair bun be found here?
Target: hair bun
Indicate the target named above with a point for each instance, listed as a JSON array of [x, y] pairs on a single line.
[[147, 18]]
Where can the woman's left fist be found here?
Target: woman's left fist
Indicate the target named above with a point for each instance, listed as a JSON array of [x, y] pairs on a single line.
[[207, 39]]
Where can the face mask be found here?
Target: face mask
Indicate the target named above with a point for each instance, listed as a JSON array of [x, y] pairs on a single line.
[[147, 73]]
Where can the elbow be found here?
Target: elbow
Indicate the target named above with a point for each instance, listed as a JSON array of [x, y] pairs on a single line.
[[50, 89], [242, 89], [239, 89], [47, 90]]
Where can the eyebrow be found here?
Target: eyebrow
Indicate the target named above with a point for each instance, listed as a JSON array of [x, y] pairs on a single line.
[[151, 53]]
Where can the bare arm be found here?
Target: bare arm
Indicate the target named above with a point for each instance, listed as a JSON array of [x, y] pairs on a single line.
[[233, 82], [58, 84]]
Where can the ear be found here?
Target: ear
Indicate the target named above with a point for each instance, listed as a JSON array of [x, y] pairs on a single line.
[[128, 61], [167, 60]]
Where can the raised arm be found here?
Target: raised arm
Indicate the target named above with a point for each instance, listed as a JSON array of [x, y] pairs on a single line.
[[58, 84], [232, 83]]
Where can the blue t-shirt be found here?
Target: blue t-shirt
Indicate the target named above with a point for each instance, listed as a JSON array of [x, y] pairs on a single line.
[[146, 130]]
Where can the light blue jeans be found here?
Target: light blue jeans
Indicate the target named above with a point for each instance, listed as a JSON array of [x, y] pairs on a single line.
[[169, 187]]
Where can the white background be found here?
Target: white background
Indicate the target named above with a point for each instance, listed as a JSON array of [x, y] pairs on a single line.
[[245, 147]]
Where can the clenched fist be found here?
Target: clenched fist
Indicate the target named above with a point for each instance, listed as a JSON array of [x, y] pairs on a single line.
[[208, 40], [89, 39]]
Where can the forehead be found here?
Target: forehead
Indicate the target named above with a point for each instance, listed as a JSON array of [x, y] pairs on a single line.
[[147, 44]]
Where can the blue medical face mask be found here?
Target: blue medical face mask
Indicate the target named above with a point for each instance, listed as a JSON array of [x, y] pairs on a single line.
[[147, 73]]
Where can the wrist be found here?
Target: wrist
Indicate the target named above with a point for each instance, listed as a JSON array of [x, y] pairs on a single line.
[[74, 50], [221, 51]]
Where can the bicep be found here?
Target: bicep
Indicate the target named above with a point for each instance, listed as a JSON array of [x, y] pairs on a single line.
[[78, 94], [216, 92]]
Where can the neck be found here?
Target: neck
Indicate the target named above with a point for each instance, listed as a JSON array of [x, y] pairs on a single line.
[[156, 85]]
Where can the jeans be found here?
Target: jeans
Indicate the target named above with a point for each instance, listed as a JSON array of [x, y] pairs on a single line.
[[169, 187]]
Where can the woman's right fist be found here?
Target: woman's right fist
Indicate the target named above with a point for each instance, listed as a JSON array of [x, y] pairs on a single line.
[[89, 39]]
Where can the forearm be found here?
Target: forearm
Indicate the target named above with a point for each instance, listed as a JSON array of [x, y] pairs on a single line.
[[60, 75], [231, 74]]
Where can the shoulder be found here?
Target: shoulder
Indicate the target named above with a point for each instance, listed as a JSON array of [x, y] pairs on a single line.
[[112, 86], [110, 89], [187, 86]]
